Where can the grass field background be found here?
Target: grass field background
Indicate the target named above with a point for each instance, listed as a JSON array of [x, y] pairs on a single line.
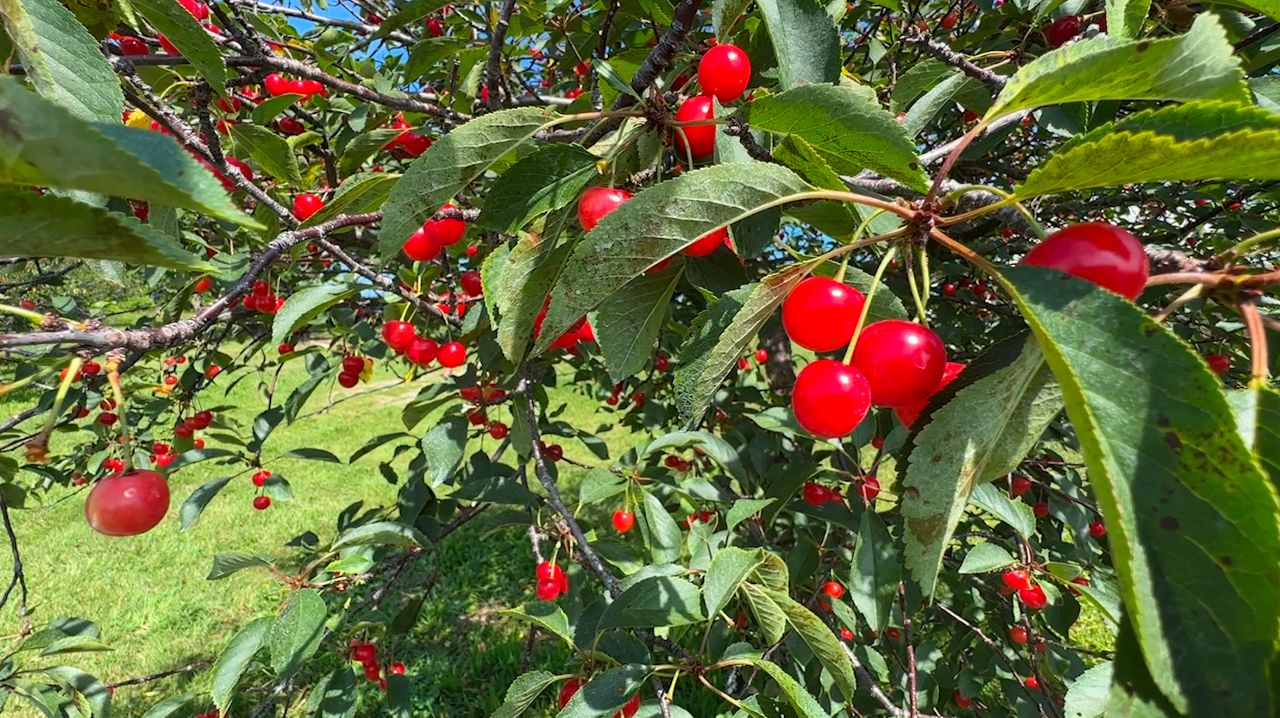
[[149, 595]]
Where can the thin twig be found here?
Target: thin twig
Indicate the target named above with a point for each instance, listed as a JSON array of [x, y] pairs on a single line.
[[19, 576]]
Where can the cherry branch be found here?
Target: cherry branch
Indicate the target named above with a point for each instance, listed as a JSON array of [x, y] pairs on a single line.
[[363, 28], [19, 578], [387, 283], [941, 51], [497, 37]]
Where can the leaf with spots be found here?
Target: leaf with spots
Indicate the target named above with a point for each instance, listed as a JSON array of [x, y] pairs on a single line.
[[1192, 520], [627, 323], [1257, 411], [979, 428]]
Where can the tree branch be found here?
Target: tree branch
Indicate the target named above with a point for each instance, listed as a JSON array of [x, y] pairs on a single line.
[[940, 50]]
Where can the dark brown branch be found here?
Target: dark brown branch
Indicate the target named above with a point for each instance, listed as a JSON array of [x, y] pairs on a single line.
[[19, 578], [150, 678], [940, 50], [362, 28], [493, 70]]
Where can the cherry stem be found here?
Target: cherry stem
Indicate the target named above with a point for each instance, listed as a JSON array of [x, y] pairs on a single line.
[[1193, 293], [34, 317], [63, 387], [122, 415], [1006, 200], [915, 294], [866, 305], [1257, 342], [950, 161], [1247, 244]]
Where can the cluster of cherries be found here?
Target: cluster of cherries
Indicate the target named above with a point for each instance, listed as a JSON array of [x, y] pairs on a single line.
[[407, 144], [571, 687], [261, 501], [597, 202], [723, 74], [161, 455], [353, 370], [1019, 485], [133, 45], [366, 654], [426, 242], [197, 421], [278, 85], [1030, 593], [89, 368], [552, 581], [402, 338], [262, 299], [815, 494], [481, 398]]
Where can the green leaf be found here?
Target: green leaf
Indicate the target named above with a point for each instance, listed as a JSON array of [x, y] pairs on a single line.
[[1257, 411], [62, 59], [627, 323], [713, 446], [407, 13], [1200, 65], [1198, 140], [268, 149], [74, 644], [381, 533], [450, 164], [359, 193], [1125, 17], [234, 660], [654, 602], [657, 223], [818, 636], [997, 503], [661, 531], [730, 566], [804, 704], [986, 557], [770, 619], [225, 564], [442, 447], [311, 454], [362, 147], [1005, 401], [527, 274], [271, 108], [522, 692], [184, 31], [305, 305], [93, 694], [598, 485], [744, 509], [43, 144], [1087, 696], [848, 129], [46, 225], [875, 571], [1189, 512], [296, 634], [724, 333], [169, 706], [545, 614], [335, 695], [805, 41], [606, 692], [724, 13]]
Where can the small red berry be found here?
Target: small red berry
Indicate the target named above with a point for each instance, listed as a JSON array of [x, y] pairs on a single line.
[[698, 140], [815, 494], [1031, 682], [498, 430], [1218, 363], [1061, 30], [260, 478], [762, 356], [261, 502], [846, 634], [821, 313], [1097, 529], [724, 72], [830, 398], [623, 521], [1096, 252], [396, 669], [348, 380], [568, 690], [547, 590], [452, 355], [707, 243], [1017, 578], [306, 205], [1019, 485], [1033, 597], [833, 589], [960, 701], [869, 488], [1040, 509]]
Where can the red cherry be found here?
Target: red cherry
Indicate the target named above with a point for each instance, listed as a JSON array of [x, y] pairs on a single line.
[[724, 72], [171, 380], [1032, 683], [830, 398], [582, 68], [553, 452], [107, 418], [127, 504], [547, 571], [833, 589], [1218, 363], [471, 284], [419, 246], [596, 202], [949, 289], [1097, 252], [308, 87], [846, 634], [167, 45], [547, 590], [1097, 529], [372, 671], [197, 9], [198, 443], [477, 417], [1017, 578], [1033, 597], [1040, 509], [744, 364], [587, 333], [660, 362], [202, 419], [697, 140], [397, 334], [260, 478], [815, 494], [623, 521], [421, 352], [306, 205], [290, 126], [821, 313], [412, 144], [869, 488], [892, 633], [184, 431], [364, 652], [630, 708], [949, 21], [498, 430], [352, 364], [452, 355], [276, 85], [908, 414], [568, 690], [960, 700], [762, 356], [639, 398], [435, 27], [162, 461], [348, 380], [1019, 485], [1018, 635], [444, 232], [202, 285], [261, 502], [1061, 30], [159, 447], [902, 361], [130, 45], [707, 243]]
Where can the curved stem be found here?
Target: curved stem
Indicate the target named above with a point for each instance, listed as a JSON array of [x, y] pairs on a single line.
[[1006, 199], [1240, 249], [950, 161], [866, 305], [1257, 342]]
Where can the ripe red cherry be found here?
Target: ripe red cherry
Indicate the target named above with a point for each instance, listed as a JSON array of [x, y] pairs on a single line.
[[201, 419], [498, 430], [846, 634], [202, 285], [306, 205], [697, 140], [707, 243], [908, 414], [1018, 635], [198, 9], [1033, 597], [419, 246], [471, 284], [596, 202], [623, 521], [724, 72], [130, 45], [452, 355], [587, 333], [630, 708], [261, 502], [833, 589], [568, 690], [184, 431], [1097, 529], [1017, 578], [869, 488], [949, 21], [411, 144], [348, 380], [127, 504], [260, 478], [396, 668], [444, 232], [660, 362], [352, 364], [949, 290], [547, 590], [830, 398], [277, 84], [902, 361], [762, 356], [1031, 682], [1040, 509], [892, 633], [814, 494], [1096, 252], [547, 571], [107, 418], [421, 352], [1061, 30], [821, 313], [960, 700], [290, 126], [397, 334], [285, 348], [1218, 363], [1019, 485]]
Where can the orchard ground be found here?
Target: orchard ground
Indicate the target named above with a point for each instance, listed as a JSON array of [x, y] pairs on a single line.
[[149, 595]]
